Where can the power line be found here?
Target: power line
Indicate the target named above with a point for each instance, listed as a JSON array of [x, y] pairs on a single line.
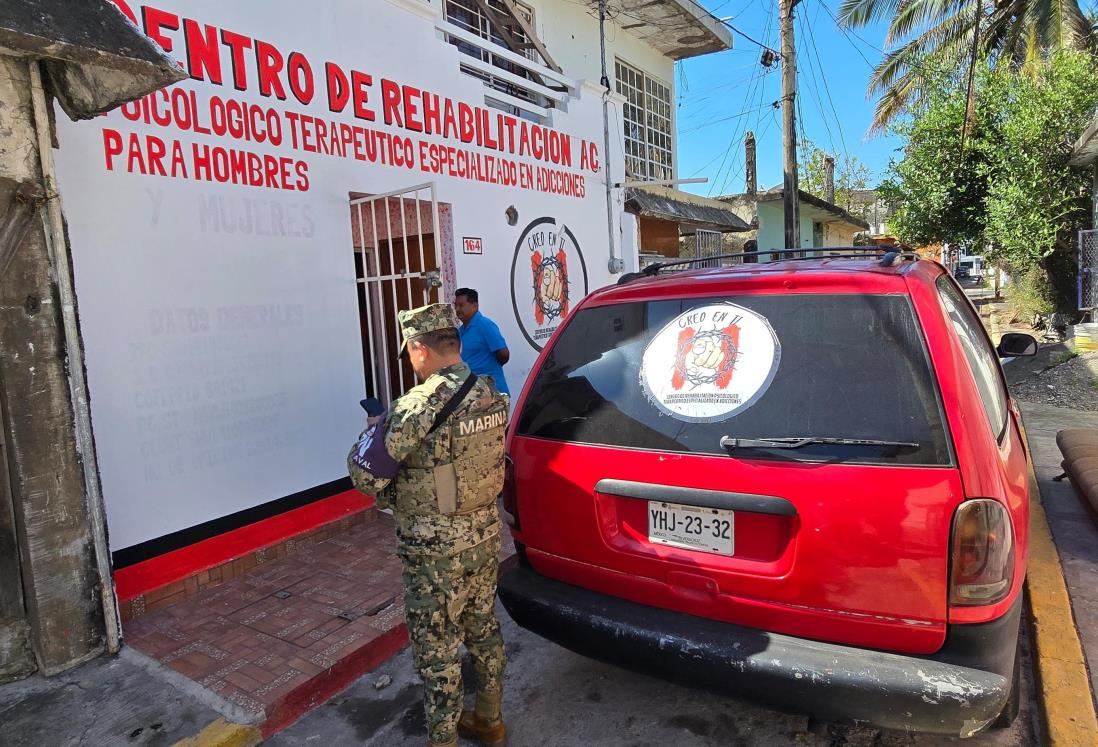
[[755, 80], [827, 90], [726, 23], [734, 166], [874, 47], [730, 117], [758, 83], [847, 33], [749, 38], [815, 92]]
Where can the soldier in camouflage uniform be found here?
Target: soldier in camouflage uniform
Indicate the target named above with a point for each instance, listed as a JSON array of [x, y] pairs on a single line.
[[441, 481]]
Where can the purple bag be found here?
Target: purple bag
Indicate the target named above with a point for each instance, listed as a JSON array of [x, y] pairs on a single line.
[[371, 454]]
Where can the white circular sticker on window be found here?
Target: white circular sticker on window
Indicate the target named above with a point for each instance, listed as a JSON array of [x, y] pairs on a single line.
[[710, 363]]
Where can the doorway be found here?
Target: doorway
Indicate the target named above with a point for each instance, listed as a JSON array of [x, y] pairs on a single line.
[[399, 248]]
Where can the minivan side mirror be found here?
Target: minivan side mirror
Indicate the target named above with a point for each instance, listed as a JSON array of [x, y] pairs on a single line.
[[1016, 344]]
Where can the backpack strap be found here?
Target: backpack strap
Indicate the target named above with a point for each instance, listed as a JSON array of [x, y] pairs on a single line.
[[448, 409]]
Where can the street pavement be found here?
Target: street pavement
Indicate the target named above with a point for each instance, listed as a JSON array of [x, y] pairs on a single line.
[[555, 697], [122, 700]]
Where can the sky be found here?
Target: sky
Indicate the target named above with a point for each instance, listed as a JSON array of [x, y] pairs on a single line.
[[722, 96]]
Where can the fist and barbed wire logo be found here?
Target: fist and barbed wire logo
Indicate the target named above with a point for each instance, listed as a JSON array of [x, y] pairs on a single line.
[[707, 357], [710, 362], [550, 286], [548, 277]]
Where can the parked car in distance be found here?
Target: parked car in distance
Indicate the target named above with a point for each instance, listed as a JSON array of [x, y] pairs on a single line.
[[802, 482], [963, 272]]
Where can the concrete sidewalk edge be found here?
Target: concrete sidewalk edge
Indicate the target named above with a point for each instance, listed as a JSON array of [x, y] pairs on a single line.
[[1063, 690], [232, 712]]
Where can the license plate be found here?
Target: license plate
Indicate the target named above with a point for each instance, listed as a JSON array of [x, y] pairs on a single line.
[[691, 527]]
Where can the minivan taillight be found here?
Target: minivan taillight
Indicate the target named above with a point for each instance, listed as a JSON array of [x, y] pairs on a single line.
[[510, 502], [983, 553]]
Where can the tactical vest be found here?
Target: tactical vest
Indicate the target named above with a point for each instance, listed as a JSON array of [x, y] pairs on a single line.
[[469, 453]]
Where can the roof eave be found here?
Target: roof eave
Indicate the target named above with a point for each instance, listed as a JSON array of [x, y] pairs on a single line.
[[678, 29], [95, 57], [775, 195], [1085, 150]]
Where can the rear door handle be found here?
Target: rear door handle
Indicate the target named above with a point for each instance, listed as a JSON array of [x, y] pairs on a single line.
[[646, 491]]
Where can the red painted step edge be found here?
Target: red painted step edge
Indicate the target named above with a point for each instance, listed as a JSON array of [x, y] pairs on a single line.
[[133, 581], [329, 683], [318, 690]]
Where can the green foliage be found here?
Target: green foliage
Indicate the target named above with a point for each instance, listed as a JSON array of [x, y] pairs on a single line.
[[850, 175], [1028, 296], [1035, 201], [1011, 193], [1064, 357], [939, 196], [924, 35]]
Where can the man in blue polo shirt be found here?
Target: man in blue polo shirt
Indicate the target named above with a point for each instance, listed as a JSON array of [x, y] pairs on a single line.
[[482, 346]]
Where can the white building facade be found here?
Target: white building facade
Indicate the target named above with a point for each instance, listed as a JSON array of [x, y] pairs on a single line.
[[241, 241]]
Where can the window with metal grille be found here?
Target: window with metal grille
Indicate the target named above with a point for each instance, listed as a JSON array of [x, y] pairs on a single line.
[[469, 15], [647, 114]]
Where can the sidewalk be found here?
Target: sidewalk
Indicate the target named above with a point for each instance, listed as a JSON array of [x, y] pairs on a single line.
[[249, 656], [288, 634], [1073, 527]]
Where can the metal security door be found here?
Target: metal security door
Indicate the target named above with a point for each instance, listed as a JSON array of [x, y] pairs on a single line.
[[708, 244], [398, 262], [1088, 271]]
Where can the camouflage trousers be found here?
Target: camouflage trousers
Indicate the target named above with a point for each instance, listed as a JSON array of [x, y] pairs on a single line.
[[449, 601]]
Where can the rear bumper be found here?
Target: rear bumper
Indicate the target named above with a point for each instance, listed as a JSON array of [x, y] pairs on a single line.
[[957, 691]]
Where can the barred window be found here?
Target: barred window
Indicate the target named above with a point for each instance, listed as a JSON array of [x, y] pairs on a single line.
[[647, 113], [469, 15]]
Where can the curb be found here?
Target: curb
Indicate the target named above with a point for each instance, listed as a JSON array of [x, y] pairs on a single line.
[[221, 733], [1063, 685]]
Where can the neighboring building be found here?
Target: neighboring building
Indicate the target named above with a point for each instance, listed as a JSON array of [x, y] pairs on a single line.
[[1084, 154], [868, 205], [823, 224], [242, 241], [672, 223], [57, 605]]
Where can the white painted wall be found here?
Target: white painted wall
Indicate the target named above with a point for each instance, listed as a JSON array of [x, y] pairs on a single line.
[[570, 31], [201, 407]]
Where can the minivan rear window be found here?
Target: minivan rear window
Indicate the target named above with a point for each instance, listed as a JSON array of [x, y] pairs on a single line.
[[818, 366]]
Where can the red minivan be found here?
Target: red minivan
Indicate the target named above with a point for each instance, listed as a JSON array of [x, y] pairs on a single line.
[[802, 482]]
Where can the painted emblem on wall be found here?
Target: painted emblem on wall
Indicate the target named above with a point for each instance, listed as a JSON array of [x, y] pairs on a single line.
[[548, 278], [710, 363]]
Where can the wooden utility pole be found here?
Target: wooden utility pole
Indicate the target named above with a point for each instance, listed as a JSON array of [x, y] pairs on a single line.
[[751, 185], [789, 127]]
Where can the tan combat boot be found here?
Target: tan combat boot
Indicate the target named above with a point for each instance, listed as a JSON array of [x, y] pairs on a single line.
[[485, 724]]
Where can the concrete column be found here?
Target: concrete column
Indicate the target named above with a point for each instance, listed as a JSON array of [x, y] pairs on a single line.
[[829, 179], [50, 508]]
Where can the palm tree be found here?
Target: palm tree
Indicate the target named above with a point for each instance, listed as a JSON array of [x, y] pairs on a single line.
[[927, 37]]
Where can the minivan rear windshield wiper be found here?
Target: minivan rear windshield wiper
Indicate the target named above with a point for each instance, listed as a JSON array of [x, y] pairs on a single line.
[[796, 442]]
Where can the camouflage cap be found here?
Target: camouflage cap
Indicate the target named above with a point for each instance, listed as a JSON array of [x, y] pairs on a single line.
[[425, 319]]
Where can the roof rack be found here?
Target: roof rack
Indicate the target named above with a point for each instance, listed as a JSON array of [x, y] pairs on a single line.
[[888, 258]]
